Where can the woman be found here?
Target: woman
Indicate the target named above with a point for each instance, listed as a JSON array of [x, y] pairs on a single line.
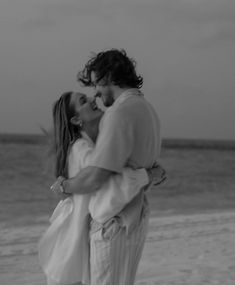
[[64, 248]]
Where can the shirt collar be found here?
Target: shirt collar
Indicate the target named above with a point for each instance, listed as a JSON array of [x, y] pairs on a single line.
[[127, 93]]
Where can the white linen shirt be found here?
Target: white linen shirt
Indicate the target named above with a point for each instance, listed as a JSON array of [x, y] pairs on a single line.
[[129, 135]]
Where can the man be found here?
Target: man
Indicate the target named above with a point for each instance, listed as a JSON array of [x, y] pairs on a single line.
[[129, 135]]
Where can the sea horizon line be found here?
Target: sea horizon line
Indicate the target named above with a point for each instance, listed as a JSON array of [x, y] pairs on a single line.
[[167, 142]]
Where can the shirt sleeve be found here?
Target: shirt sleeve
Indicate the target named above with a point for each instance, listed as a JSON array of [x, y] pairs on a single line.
[[129, 182], [119, 190], [115, 142]]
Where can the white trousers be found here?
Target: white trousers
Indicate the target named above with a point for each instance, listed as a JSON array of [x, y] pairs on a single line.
[[114, 255]]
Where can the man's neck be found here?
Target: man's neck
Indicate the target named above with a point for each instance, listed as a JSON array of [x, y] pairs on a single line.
[[117, 91]]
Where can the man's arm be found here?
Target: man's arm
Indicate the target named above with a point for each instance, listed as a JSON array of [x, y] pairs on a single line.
[[113, 147], [111, 152], [88, 180]]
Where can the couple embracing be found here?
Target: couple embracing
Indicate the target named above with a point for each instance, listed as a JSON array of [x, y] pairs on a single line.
[[106, 162]]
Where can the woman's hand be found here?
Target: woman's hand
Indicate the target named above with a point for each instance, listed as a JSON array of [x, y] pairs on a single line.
[[157, 174], [58, 190]]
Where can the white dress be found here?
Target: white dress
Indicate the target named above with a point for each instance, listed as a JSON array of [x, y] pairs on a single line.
[[64, 247]]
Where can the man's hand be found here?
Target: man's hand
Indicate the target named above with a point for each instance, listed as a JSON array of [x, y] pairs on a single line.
[[57, 188], [157, 174]]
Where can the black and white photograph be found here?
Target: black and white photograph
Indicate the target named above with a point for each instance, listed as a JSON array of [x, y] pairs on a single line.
[[117, 142]]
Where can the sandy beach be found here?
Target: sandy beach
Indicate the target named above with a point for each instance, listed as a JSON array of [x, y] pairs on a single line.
[[180, 250]]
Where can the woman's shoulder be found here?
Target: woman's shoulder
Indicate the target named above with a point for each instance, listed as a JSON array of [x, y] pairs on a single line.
[[79, 154], [81, 141], [80, 144]]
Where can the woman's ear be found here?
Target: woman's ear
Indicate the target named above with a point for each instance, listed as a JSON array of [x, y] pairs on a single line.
[[74, 120]]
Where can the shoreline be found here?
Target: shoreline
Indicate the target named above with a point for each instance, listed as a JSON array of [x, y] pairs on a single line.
[[218, 144]]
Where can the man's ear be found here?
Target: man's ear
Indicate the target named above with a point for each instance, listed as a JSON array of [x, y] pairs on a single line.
[[74, 120]]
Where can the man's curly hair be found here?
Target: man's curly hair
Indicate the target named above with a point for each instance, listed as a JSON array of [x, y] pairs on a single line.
[[111, 66]]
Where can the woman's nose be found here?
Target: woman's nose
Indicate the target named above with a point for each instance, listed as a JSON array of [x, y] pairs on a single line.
[[93, 99]]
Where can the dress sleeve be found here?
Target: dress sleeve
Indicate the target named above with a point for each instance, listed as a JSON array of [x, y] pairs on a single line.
[[79, 156]]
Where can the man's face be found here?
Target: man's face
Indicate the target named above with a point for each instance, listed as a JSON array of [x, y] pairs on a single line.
[[104, 90]]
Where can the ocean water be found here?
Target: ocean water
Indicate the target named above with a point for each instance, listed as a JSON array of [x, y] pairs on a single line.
[[199, 178]]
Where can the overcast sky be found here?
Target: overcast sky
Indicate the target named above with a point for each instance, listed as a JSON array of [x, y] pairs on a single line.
[[185, 49]]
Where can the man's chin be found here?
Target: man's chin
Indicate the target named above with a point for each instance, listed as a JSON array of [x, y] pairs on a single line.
[[109, 102]]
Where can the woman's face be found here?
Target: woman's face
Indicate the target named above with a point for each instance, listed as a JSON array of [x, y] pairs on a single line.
[[85, 108]]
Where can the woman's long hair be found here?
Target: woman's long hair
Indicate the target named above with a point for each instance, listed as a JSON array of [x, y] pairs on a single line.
[[65, 133]]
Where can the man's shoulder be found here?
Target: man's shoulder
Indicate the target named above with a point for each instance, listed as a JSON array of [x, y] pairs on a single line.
[[135, 106], [132, 109]]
